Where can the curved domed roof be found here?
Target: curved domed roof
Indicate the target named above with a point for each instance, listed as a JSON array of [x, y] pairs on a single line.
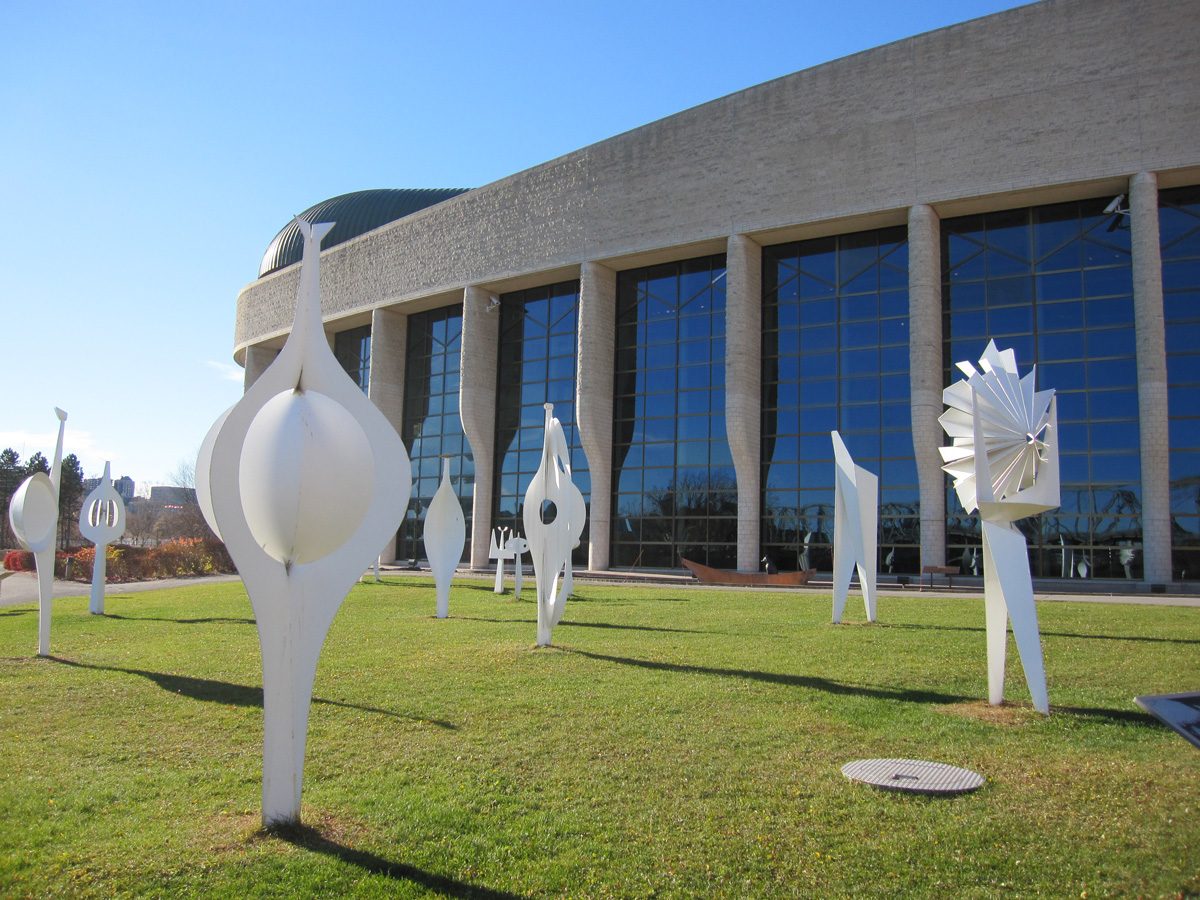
[[355, 214]]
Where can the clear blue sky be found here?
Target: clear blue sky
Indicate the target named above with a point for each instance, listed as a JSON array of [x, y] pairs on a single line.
[[151, 151]]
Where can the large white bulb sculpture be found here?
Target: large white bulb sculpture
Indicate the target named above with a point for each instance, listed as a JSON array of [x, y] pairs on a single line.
[[445, 536], [1004, 461], [552, 532], [101, 521], [305, 480], [855, 529], [33, 515]]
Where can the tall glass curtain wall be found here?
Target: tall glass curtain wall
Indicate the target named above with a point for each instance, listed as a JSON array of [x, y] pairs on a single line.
[[353, 350], [1179, 230], [432, 428], [835, 356], [1055, 284], [536, 366], [674, 490]]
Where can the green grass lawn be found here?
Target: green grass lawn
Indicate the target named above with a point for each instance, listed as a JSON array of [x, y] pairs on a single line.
[[675, 742]]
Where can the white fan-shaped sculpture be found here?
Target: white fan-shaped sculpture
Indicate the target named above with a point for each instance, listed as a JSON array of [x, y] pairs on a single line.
[[445, 536], [101, 521], [518, 547], [1004, 461], [33, 515], [498, 550], [552, 532], [855, 529], [305, 481]]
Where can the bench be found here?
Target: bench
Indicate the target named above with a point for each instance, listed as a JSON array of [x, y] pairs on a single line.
[[948, 571]]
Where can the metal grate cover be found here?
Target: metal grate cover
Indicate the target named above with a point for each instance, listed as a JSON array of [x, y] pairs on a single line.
[[913, 775]]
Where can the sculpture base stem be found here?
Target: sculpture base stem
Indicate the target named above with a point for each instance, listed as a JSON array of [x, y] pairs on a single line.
[[45, 574], [288, 675], [99, 570]]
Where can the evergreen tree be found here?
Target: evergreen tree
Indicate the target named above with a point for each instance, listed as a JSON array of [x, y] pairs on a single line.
[[70, 496]]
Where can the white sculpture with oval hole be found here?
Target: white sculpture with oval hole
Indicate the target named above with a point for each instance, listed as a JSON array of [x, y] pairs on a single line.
[[101, 521], [445, 536], [554, 530], [1004, 461], [855, 529], [33, 515], [498, 550], [305, 481]]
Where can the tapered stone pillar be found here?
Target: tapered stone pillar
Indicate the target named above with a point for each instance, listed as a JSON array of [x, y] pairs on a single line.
[[925, 375], [594, 399], [258, 358], [477, 409], [743, 389], [1152, 377], [389, 342]]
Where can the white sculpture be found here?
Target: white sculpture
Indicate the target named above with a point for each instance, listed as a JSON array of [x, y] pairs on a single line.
[[553, 531], [518, 547], [1004, 461], [498, 550], [445, 536], [305, 480], [855, 529], [33, 515], [101, 521]]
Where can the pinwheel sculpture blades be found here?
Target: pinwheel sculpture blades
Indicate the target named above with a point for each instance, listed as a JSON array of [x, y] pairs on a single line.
[[855, 529], [305, 480], [101, 521], [553, 516], [1004, 461], [33, 515]]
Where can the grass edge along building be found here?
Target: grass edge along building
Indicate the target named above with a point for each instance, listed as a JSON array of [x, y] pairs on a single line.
[[705, 297]]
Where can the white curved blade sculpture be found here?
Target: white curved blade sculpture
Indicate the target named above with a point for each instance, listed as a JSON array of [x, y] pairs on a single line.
[[518, 547], [445, 536], [550, 541], [33, 515], [101, 521], [1004, 461], [305, 480], [498, 550], [855, 529]]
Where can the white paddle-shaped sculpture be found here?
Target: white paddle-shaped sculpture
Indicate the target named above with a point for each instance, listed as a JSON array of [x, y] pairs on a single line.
[[445, 537], [855, 529], [305, 481], [554, 516], [1004, 461], [101, 521], [33, 515]]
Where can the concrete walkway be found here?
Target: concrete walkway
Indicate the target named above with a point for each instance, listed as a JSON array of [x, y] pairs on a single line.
[[21, 587]]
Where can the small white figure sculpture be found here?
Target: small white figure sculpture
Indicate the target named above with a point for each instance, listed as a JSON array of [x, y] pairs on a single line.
[[855, 529], [305, 480], [1004, 461], [101, 521], [33, 515], [445, 536], [498, 550], [517, 546], [554, 517]]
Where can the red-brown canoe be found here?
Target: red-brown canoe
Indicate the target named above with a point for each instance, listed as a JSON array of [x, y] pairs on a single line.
[[708, 575]]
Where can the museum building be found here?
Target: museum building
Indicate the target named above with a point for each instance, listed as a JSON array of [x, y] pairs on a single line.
[[704, 298]]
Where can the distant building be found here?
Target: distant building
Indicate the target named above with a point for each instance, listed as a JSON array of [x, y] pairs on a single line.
[[124, 486], [166, 495]]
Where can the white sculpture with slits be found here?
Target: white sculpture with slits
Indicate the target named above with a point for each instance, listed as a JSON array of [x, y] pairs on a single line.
[[499, 551], [305, 481], [1004, 461], [855, 529], [33, 515], [101, 521], [445, 536], [554, 517]]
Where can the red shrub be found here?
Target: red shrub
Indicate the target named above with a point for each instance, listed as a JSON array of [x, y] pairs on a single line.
[[19, 561]]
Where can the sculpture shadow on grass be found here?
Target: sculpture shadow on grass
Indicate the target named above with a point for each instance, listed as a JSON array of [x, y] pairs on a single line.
[[312, 840], [826, 685], [210, 620], [18, 612], [1059, 634], [208, 690], [587, 625]]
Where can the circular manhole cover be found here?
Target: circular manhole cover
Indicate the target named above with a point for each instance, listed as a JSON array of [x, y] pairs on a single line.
[[913, 775]]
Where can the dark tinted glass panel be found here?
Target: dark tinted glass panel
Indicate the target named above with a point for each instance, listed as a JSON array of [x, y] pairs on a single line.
[[674, 489], [353, 350], [1057, 289], [431, 428], [835, 351], [536, 365], [1179, 232]]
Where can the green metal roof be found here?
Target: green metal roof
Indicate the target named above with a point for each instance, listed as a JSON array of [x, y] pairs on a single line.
[[355, 214]]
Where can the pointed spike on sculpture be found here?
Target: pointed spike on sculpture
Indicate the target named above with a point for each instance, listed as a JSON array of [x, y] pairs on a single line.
[[855, 529], [445, 536], [1008, 469]]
